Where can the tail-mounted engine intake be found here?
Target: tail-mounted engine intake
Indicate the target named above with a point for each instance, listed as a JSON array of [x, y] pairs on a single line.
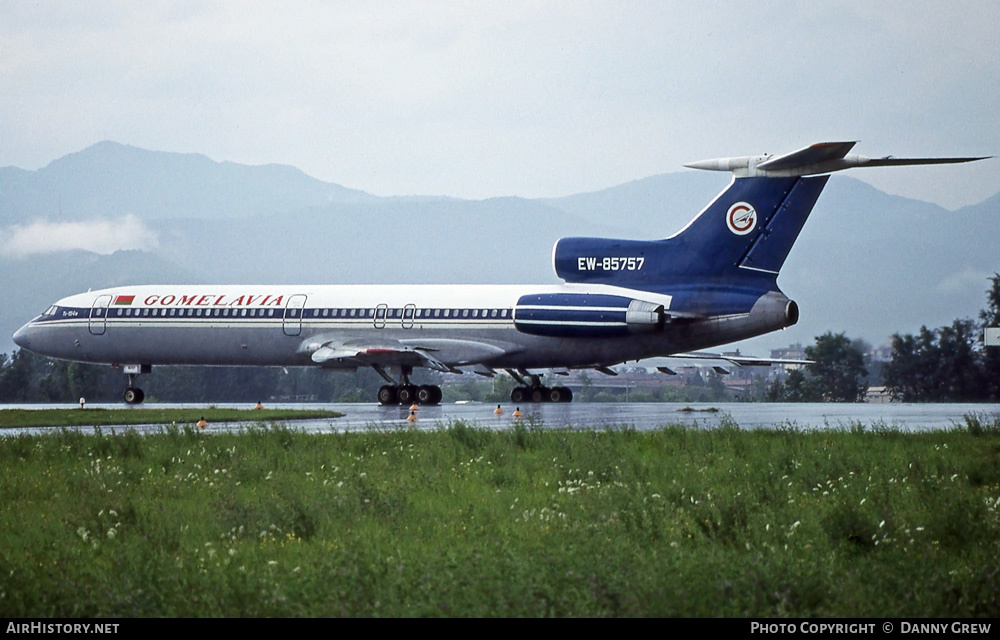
[[581, 315]]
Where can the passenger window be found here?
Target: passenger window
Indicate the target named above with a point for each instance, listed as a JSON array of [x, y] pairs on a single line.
[[465, 313]]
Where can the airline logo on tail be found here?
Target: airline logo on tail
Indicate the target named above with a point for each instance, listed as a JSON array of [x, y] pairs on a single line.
[[741, 218]]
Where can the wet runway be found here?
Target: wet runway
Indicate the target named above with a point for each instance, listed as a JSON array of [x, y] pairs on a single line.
[[641, 416]]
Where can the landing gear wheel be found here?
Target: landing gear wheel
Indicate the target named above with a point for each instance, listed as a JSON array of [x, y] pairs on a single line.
[[519, 394], [428, 394], [567, 394], [133, 395], [407, 394], [555, 394], [538, 394], [387, 394]]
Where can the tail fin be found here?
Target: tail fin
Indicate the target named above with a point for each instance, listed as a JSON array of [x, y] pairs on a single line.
[[747, 230], [741, 237]]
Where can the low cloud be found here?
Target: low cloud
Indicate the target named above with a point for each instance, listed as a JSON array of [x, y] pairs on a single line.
[[964, 281], [98, 236]]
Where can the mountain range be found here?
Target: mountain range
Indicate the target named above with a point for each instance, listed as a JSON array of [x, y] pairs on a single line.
[[867, 263]]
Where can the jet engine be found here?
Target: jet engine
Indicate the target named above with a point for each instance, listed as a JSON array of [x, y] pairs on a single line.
[[586, 315]]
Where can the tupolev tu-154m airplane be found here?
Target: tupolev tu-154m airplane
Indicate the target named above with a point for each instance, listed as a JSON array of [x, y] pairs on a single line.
[[712, 283]]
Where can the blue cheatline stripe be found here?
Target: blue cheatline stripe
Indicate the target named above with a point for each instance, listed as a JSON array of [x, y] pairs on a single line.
[[571, 323]]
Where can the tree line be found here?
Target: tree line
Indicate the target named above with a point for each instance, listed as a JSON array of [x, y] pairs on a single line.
[[947, 364]]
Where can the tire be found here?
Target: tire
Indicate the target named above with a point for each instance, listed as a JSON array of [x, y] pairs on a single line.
[[387, 394], [133, 395], [407, 394], [555, 394], [539, 394], [425, 395], [518, 395]]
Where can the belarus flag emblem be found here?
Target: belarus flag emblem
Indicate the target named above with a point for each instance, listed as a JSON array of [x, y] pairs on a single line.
[[124, 301]]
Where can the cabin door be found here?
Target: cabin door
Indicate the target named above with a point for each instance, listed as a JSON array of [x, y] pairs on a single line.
[[292, 322], [381, 312], [409, 311], [99, 315]]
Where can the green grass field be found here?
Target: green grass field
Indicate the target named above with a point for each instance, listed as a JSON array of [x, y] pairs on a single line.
[[463, 521]]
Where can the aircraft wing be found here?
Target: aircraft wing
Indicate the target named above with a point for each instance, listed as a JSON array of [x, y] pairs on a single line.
[[440, 354], [743, 361], [738, 360]]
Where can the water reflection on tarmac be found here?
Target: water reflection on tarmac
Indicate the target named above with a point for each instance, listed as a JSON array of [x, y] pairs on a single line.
[[578, 415]]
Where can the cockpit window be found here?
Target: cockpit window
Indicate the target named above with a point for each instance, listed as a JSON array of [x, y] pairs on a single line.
[[51, 311]]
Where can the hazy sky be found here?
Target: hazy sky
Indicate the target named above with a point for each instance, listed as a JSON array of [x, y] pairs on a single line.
[[481, 99]]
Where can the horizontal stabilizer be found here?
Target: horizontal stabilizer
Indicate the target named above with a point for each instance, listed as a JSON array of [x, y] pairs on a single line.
[[811, 155], [823, 157]]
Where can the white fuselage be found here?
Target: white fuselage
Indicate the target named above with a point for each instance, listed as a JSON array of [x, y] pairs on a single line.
[[455, 325]]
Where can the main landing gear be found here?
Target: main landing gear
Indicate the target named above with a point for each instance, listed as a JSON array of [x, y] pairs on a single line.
[[535, 392], [406, 393], [133, 394]]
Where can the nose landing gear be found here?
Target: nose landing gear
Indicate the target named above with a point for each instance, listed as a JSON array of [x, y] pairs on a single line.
[[133, 394]]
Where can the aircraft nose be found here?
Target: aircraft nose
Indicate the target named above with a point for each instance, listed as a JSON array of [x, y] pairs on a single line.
[[21, 336]]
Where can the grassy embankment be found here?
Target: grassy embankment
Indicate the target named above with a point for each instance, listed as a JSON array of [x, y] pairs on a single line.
[[103, 417], [464, 521]]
